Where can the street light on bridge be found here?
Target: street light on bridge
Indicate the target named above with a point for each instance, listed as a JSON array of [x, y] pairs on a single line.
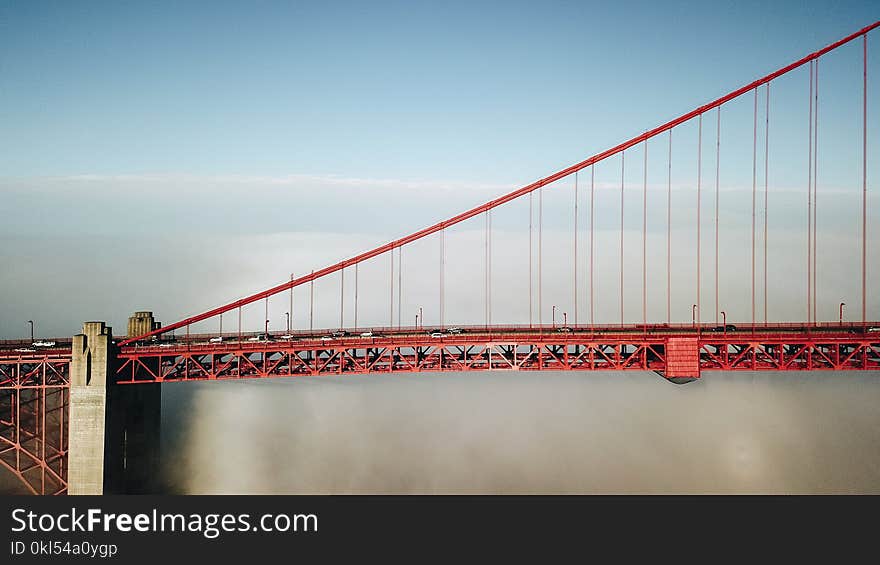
[[288, 321], [724, 320], [31, 322], [694, 315], [554, 315], [842, 304]]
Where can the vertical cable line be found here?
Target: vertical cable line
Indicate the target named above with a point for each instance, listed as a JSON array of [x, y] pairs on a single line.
[[669, 234], [311, 305], [356, 294], [442, 278], [575, 249], [531, 217], [399, 285], [540, 253], [766, 193], [754, 196], [645, 240], [816, 192], [810, 203], [699, 179], [717, 197], [391, 284], [622, 156], [341, 298], [592, 246], [864, 173]]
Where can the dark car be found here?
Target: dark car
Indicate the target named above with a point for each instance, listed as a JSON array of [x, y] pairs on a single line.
[[727, 328]]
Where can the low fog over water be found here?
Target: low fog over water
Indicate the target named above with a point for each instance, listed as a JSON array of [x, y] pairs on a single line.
[[526, 433]]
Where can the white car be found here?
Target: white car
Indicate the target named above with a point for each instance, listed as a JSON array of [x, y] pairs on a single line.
[[438, 334], [285, 336], [44, 344], [25, 350], [166, 345], [218, 339], [326, 338], [257, 338], [367, 334]]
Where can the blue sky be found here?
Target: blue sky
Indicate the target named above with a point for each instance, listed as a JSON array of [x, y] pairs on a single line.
[[477, 91], [175, 155]]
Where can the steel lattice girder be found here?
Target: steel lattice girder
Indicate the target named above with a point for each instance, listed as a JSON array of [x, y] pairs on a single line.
[[410, 355], [34, 404]]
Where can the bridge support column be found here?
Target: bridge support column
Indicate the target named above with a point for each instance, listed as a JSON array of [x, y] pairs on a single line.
[[89, 371], [114, 429]]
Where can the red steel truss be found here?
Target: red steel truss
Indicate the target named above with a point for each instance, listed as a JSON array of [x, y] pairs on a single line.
[[674, 355], [34, 407]]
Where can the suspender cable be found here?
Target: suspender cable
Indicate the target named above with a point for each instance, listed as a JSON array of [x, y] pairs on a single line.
[[391, 284], [766, 193], [311, 304], [810, 204], [592, 230], [531, 216], [540, 250], [816, 197], [488, 268], [699, 171], [356, 294], [622, 155], [645, 240], [442, 277], [717, 195], [341, 298], [399, 284], [864, 172], [669, 234], [754, 193], [575, 270]]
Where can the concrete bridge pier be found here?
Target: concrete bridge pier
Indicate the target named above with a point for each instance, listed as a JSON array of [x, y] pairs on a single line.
[[114, 429]]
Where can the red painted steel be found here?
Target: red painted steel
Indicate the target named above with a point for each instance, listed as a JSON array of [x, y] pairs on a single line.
[[389, 247], [34, 402], [676, 351]]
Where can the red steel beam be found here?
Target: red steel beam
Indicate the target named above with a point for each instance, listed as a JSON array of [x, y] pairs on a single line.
[[507, 197]]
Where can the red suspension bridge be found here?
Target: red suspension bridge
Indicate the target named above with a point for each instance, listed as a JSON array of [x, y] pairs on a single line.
[[35, 382]]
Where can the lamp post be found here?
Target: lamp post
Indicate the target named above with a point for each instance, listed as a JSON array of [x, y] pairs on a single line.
[[565, 319], [267, 328], [288, 322], [31, 322], [554, 315], [724, 321], [694, 315], [421, 317], [842, 304]]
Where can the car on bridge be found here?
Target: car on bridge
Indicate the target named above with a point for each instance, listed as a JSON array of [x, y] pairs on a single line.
[[438, 334], [218, 339], [724, 328], [286, 337], [563, 329], [455, 330], [44, 344], [26, 350], [339, 333]]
